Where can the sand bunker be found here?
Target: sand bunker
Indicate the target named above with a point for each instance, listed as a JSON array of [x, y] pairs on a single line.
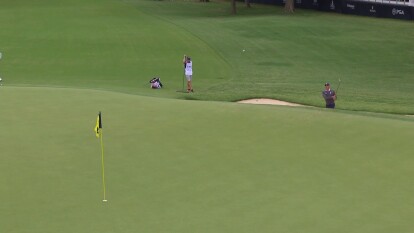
[[268, 101], [275, 102]]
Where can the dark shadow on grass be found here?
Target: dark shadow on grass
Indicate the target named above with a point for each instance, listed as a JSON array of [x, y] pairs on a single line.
[[212, 9]]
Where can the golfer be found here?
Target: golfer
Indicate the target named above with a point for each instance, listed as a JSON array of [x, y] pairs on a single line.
[[329, 96], [188, 67]]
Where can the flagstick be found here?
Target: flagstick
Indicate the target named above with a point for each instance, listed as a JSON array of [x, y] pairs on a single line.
[[103, 169]]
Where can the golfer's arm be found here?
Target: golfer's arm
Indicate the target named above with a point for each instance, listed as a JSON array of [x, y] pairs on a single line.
[[326, 97]]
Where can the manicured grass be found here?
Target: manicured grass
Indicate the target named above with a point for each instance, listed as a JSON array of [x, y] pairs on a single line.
[[120, 45], [289, 57], [175, 165], [190, 166], [94, 44]]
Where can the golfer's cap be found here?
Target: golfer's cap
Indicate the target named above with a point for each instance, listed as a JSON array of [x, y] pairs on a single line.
[[327, 84]]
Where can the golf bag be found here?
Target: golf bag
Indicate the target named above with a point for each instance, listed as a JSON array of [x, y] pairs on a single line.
[[155, 83]]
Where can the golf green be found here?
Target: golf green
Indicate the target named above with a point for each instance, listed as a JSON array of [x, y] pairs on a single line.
[[191, 166]]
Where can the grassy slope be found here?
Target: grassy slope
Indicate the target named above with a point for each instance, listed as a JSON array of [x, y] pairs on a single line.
[[289, 57], [95, 44], [120, 45], [170, 167]]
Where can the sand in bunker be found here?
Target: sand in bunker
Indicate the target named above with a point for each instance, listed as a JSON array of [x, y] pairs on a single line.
[[268, 101], [276, 102]]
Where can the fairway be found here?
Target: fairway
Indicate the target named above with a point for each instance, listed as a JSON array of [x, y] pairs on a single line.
[[119, 45], [189, 166], [199, 162]]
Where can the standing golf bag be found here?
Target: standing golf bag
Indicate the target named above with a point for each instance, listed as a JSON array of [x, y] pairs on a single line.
[[155, 83]]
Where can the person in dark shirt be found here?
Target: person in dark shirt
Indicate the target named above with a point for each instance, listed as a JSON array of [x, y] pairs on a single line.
[[329, 96]]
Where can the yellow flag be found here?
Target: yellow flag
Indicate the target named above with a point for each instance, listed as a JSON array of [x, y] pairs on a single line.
[[98, 125]]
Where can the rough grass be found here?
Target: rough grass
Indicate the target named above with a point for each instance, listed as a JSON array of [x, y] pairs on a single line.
[[120, 45]]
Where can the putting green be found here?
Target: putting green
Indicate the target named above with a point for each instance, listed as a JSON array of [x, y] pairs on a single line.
[[192, 166]]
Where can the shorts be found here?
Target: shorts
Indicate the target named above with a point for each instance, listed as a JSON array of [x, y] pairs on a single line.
[[189, 77]]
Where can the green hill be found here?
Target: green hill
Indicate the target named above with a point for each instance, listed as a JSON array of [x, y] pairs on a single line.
[[121, 45]]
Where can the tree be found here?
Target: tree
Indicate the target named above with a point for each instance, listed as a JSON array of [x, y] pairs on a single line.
[[290, 6], [233, 7], [247, 3]]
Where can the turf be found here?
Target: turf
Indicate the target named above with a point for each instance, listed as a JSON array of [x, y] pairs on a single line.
[[120, 45], [288, 57], [190, 166], [174, 165]]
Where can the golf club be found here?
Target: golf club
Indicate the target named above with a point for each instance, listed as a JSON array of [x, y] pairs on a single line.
[[182, 90], [185, 59], [183, 81], [339, 84], [1, 84]]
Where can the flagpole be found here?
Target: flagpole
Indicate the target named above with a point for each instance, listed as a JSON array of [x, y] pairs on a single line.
[[103, 169], [98, 132]]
